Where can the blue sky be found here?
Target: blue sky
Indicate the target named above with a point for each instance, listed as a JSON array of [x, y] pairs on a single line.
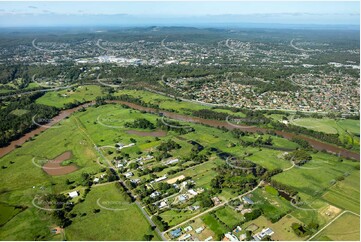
[[293, 12]]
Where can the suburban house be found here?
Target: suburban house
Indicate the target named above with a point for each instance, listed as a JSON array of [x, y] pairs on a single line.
[[176, 233], [231, 237], [73, 194], [247, 200], [155, 194], [162, 178], [128, 174], [265, 232], [199, 230]]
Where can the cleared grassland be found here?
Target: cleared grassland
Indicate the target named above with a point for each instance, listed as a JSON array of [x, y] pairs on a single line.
[[350, 125], [22, 180], [229, 216], [172, 104], [325, 125], [348, 129], [313, 178], [60, 98], [218, 228], [273, 206], [346, 227], [123, 222], [174, 217], [269, 159], [104, 126], [7, 212], [346, 194], [282, 228]]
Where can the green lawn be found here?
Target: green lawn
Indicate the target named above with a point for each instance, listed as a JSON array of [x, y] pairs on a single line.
[[7, 212], [348, 129], [325, 125], [19, 112], [104, 127], [218, 228], [123, 222], [60, 98], [315, 176], [268, 158], [345, 228], [350, 125], [174, 217], [346, 194], [282, 228], [229, 216]]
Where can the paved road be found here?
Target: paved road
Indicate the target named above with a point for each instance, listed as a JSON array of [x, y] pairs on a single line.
[[333, 220], [150, 221], [128, 191]]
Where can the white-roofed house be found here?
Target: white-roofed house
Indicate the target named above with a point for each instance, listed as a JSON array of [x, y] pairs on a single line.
[[73, 194]]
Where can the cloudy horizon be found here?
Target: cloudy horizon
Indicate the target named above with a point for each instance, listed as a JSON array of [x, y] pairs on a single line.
[[23, 14]]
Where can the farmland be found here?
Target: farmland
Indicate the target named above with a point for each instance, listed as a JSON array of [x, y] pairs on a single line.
[[344, 228], [117, 211], [108, 137], [79, 93], [122, 126]]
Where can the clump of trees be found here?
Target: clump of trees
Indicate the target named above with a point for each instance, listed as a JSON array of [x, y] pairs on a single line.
[[140, 123], [177, 127], [301, 142], [161, 224], [13, 126], [330, 138], [284, 188], [302, 230], [299, 157]]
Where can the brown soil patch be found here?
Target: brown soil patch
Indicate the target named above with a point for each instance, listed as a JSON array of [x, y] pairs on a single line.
[[54, 167], [175, 179], [56, 230], [158, 133], [330, 211]]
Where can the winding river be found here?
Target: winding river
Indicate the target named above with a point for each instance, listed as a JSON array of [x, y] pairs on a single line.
[[318, 145]]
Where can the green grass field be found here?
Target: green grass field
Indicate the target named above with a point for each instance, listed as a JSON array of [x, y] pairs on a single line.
[[272, 205], [350, 125], [164, 102], [218, 228], [103, 126], [123, 221], [312, 178], [348, 129], [229, 216], [19, 112], [313, 181], [345, 228], [60, 98], [346, 194], [7, 212], [282, 228], [174, 217], [326, 125]]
